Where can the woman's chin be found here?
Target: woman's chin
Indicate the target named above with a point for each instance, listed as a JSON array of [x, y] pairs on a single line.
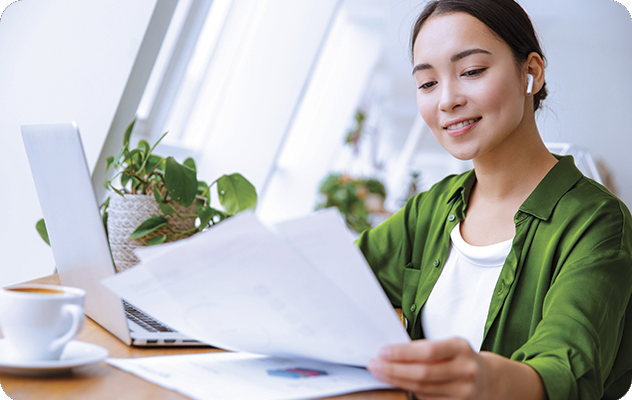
[[463, 158], [462, 154]]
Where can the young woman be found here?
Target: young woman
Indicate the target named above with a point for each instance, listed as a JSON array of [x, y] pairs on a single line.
[[519, 273]]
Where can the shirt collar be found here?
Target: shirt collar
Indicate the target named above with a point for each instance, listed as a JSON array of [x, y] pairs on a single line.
[[541, 202], [464, 189], [559, 180]]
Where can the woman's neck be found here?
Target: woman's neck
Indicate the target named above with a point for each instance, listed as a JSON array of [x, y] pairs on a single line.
[[505, 177], [514, 169]]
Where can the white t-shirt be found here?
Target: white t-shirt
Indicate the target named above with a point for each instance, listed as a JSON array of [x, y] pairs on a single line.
[[459, 302]]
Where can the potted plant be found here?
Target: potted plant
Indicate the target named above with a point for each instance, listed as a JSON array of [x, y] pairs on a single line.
[[360, 200], [156, 199], [355, 198]]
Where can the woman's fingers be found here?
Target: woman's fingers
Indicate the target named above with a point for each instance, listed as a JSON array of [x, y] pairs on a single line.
[[429, 369], [426, 351], [425, 372]]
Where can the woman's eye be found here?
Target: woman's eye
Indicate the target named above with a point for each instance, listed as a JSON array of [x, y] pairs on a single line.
[[474, 72], [427, 85]]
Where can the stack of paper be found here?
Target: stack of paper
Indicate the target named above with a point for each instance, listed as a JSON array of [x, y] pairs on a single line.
[[299, 290], [230, 376]]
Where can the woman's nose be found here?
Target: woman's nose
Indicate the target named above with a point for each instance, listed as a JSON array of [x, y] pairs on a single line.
[[451, 97]]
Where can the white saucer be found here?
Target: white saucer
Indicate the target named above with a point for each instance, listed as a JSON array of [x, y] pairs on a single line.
[[75, 354]]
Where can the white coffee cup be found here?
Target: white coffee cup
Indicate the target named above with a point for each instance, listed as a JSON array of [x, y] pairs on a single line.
[[37, 321]]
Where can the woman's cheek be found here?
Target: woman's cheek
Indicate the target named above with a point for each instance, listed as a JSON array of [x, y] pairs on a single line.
[[424, 105]]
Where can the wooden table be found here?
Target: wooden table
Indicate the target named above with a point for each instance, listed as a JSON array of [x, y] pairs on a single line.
[[102, 381]]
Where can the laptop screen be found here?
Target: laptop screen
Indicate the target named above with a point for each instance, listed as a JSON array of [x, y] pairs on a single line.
[[73, 221]]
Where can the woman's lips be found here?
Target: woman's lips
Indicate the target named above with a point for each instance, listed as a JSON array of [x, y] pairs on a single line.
[[462, 127]]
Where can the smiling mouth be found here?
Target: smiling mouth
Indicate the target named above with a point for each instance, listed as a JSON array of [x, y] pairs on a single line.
[[462, 124]]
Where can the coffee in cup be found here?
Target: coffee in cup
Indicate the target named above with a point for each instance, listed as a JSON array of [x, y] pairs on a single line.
[[37, 321]]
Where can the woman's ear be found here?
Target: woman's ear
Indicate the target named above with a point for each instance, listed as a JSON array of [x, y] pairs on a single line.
[[534, 67]]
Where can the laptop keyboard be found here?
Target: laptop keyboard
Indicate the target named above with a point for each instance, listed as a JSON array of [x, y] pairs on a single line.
[[144, 320]]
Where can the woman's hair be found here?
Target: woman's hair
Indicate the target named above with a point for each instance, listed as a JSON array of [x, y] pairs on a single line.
[[505, 18]]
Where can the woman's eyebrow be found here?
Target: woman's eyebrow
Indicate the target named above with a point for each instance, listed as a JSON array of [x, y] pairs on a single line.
[[421, 67], [463, 54], [454, 58]]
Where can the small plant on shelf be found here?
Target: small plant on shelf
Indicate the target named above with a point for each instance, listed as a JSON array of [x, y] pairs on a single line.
[[359, 199], [355, 198]]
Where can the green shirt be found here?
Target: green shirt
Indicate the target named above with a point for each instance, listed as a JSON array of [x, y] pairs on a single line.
[[562, 298]]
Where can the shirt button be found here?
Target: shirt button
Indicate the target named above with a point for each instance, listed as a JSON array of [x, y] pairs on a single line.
[[436, 263], [518, 217], [413, 308], [451, 218], [501, 287]]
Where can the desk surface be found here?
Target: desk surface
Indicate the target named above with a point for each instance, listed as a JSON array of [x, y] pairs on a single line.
[[100, 380]]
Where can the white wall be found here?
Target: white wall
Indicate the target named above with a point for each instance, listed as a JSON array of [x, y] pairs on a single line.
[[262, 63], [588, 44], [61, 60], [316, 135]]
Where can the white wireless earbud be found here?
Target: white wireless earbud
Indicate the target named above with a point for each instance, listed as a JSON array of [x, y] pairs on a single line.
[[530, 84]]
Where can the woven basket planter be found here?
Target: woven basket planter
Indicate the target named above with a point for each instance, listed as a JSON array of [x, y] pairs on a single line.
[[124, 216]]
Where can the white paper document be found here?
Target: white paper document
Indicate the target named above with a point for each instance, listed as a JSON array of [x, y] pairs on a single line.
[[299, 289], [224, 376]]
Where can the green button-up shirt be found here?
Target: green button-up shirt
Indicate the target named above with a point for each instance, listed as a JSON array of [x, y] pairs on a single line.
[[561, 303]]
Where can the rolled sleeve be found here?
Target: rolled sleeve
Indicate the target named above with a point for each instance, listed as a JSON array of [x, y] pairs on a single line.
[[575, 346]]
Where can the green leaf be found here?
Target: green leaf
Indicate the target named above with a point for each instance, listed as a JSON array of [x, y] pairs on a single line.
[[205, 213], [136, 185], [153, 162], [189, 162], [158, 196], [181, 182], [118, 156], [330, 182], [136, 158], [375, 186], [156, 240], [105, 215], [149, 226], [128, 134], [144, 146], [108, 162], [117, 191], [41, 229], [165, 208], [202, 186], [158, 141], [236, 193], [104, 219], [125, 179]]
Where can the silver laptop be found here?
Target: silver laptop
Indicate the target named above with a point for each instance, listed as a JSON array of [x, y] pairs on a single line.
[[77, 235]]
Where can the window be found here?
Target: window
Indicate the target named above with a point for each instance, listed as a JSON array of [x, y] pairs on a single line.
[[268, 90]]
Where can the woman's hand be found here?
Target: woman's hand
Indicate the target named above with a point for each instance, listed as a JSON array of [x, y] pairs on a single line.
[[433, 369], [450, 369]]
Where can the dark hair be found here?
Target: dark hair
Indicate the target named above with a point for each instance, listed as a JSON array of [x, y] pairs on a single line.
[[505, 18]]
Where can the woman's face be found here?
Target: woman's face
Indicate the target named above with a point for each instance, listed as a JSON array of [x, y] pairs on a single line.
[[469, 89]]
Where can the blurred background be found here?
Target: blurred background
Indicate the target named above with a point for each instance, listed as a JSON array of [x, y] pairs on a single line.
[[313, 100]]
